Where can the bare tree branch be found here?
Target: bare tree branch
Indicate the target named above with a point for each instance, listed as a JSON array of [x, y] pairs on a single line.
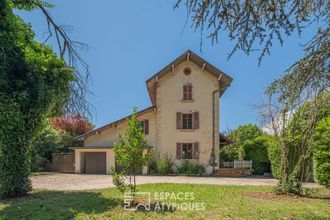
[[69, 50], [253, 25]]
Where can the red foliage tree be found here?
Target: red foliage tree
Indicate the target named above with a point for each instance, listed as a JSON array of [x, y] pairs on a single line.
[[73, 124]]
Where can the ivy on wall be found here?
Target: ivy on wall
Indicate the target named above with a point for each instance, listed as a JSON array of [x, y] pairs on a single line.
[[34, 84]]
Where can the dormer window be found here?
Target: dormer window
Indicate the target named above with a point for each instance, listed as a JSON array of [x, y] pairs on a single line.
[[187, 92]]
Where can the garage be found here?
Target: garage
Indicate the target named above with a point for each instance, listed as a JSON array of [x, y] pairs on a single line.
[[94, 160], [95, 163]]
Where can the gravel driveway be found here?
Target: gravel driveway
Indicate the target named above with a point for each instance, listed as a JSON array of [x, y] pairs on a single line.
[[60, 181]]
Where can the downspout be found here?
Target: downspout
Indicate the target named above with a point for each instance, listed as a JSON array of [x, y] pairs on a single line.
[[213, 157], [213, 130]]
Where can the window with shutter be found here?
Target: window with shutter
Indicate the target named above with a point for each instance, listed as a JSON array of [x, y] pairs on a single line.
[[187, 151], [187, 92], [187, 121]]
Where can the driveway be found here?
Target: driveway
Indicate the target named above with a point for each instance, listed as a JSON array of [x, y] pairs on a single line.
[[60, 181]]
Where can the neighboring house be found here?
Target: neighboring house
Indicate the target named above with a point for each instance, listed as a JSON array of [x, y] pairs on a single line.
[[183, 121]]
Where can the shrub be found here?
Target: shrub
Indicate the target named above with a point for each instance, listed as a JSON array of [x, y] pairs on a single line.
[[163, 164], [229, 153], [188, 168], [43, 165], [46, 142], [256, 150]]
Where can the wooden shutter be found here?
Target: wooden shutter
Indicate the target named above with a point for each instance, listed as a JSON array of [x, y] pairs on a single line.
[[178, 151], [196, 120], [190, 90], [146, 126], [196, 150], [178, 120]]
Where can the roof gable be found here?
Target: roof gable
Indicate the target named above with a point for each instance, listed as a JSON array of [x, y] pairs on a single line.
[[224, 79]]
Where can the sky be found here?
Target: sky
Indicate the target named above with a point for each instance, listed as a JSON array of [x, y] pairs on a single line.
[[132, 40]]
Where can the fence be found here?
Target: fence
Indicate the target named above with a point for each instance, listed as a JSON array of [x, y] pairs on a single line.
[[237, 164], [63, 163]]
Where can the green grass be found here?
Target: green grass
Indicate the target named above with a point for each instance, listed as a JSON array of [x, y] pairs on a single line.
[[222, 202]]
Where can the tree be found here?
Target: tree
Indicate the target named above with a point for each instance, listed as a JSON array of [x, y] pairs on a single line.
[[73, 124], [240, 135], [322, 151], [250, 143], [34, 84], [229, 153], [130, 150], [70, 126], [294, 131], [56, 135], [46, 142], [69, 50], [244, 133], [254, 25], [256, 150]]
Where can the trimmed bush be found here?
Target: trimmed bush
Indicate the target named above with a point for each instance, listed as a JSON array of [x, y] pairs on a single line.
[[188, 168]]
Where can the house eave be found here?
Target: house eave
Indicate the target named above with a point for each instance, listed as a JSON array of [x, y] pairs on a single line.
[[224, 79]]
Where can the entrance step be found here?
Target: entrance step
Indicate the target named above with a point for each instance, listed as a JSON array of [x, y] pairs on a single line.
[[233, 172]]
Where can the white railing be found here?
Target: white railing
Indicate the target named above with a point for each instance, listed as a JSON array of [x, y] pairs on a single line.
[[229, 164], [237, 164]]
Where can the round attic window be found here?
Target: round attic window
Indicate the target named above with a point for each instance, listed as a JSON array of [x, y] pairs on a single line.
[[187, 71]]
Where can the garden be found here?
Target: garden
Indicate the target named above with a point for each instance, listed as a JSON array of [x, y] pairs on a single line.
[[221, 202]]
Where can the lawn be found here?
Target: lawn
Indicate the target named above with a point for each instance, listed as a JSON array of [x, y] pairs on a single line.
[[222, 202]]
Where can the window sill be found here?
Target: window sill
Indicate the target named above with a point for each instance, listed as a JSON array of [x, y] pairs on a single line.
[[187, 130], [187, 101]]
